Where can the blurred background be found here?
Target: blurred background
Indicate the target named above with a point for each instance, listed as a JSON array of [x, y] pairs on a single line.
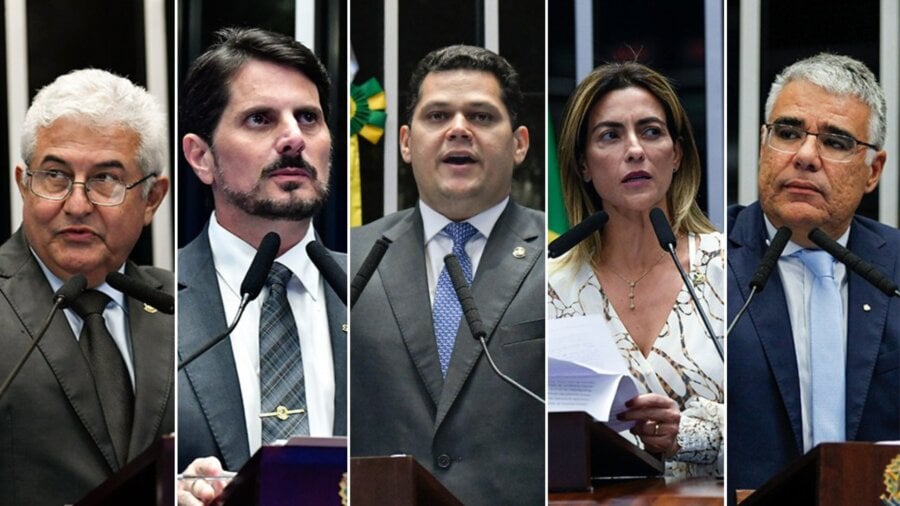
[[43, 39], [681, 40], [389, 37], [764, 36], [321, 26]]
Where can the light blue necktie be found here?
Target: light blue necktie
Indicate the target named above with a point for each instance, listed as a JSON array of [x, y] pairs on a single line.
[[826, 323], [447, 311]]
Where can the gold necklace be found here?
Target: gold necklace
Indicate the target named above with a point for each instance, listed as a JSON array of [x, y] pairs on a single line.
[[631, 284]]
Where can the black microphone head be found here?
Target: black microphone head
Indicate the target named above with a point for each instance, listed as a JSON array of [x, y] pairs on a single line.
[[662, 229], [70, 290], [334, 275], [576, 234], [770, 258], [261, 265], [141, 291]]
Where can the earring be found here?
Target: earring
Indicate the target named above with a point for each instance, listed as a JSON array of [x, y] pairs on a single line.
[[674, 170]]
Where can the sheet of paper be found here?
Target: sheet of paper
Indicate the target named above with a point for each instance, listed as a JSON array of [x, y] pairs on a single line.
[[586, 371]]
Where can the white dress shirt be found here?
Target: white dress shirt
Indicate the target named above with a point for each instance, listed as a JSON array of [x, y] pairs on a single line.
[[115, 314], [439, 244], [798, 282], [306, 295]]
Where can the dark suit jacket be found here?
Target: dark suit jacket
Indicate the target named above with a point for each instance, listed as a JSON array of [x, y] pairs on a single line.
[[210, 407], [477, 434], [54, 445], [764, 425]]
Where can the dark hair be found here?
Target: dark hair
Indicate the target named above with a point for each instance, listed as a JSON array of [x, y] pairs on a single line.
[[206, 88], [460, 57]]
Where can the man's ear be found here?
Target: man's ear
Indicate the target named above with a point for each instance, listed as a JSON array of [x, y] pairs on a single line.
[[404, 144], [199, 155]]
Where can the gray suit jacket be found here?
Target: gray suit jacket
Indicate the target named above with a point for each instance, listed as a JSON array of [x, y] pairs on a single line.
[[477, 434], [54, 446], [210, 407]]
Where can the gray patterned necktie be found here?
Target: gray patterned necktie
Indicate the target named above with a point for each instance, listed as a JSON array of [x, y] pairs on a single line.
[[111, 377], [282, 387]]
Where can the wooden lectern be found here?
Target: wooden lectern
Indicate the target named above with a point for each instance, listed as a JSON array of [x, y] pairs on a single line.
[[306, 471], [375, 481], [580, 449], [148, 480], [831, 474]]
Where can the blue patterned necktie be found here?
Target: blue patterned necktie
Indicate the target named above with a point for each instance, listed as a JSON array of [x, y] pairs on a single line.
[[826, 321], [447, 311], [282, 387]]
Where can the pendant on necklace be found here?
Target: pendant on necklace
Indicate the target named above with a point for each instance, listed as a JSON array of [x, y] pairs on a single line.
[[631, 294]]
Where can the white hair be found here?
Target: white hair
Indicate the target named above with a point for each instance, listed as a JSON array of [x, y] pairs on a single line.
[[102, 99], [838, 75]]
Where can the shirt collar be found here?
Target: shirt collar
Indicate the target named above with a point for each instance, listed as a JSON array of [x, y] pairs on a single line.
[[793, 247], [56, 283], [232, 257], [433, 222]]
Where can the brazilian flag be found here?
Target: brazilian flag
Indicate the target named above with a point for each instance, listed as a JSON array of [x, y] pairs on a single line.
[[556, 209]]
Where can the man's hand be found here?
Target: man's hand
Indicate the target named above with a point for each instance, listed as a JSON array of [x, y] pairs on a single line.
[[198, 491]]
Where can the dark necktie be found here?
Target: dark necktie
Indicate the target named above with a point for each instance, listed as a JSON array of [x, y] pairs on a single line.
[[282, 387], [111, 377], [447, 311]]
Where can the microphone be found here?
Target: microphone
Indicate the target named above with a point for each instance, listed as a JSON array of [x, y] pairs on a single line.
[[868, 271], [667, 241], [576, 234], [68, 292], [250, 288], [473, 318], [764, 270], [331, 271], [367, 269], [141, 291]]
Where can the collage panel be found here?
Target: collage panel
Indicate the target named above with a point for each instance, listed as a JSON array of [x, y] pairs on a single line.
[[636, 275], [461, 174], [262, 332], [86, 287], [813, 354]]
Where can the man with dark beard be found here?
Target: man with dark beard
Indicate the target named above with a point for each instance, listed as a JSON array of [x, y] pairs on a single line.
[[255, 106]]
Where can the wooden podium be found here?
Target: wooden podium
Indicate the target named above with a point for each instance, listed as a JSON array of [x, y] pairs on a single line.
[[831, 474], [148, 480], [580, 449], [375, 481], [306, 471]]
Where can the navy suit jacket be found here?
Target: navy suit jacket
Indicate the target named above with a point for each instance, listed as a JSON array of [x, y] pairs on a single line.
[[54, 443], [482, 438], [210, 406], [764, 423]]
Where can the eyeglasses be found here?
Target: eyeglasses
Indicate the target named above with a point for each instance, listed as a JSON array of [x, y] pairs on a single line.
[[833, 147], [102, 190]]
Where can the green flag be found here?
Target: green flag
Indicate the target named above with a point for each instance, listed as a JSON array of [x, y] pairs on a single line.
[[556, 209]]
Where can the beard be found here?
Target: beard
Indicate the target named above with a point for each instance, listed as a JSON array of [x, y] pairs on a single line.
[[295, 208]]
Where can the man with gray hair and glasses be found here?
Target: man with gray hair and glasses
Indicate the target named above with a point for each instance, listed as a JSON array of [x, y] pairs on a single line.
[[815, 358], [99, 389]]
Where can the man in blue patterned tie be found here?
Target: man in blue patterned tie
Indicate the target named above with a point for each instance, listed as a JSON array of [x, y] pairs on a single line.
[[254, 115], [815, 358], [421, 384]]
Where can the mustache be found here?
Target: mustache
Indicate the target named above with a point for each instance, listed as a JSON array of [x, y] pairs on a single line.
[[290, 161]]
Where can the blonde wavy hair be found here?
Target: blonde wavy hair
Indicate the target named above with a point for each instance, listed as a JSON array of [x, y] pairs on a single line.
[[580, 198]]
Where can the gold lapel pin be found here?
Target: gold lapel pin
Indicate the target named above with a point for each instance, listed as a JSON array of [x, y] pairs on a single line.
[[150, 309], [867, 308], [344, 327], [519, 252]]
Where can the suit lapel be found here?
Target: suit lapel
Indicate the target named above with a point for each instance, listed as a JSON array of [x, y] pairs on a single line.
[[58, 347], [865, 329], [213, 376], [403, 274], [497, 280], [152, 344], [768, 312], [337, 325]]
